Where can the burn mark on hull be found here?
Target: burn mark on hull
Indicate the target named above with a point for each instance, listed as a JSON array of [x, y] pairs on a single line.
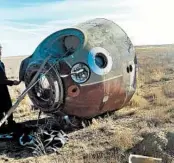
[[90, 101]]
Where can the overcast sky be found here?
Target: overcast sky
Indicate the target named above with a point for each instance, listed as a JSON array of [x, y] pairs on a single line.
[[25, 23]]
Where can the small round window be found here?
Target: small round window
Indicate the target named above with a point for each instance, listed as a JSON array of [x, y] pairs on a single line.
[[101, 60]]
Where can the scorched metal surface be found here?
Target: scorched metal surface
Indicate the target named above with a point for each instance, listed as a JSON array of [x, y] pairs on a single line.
[[94, 70]]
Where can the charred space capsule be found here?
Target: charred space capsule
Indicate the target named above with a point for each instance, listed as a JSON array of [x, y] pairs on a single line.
[[92, 70]]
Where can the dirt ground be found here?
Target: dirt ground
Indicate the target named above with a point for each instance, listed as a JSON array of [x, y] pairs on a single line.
[[145, 126]]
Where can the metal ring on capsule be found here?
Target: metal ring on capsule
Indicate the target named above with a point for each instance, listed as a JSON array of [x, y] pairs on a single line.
[[80, 77], [100, 61]]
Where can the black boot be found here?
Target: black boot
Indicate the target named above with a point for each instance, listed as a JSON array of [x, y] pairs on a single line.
[[11, 122]]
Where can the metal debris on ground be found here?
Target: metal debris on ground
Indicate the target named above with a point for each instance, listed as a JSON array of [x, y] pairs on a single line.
[[143, 159]]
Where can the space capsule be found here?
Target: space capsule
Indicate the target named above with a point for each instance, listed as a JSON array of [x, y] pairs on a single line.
[[91, 70]]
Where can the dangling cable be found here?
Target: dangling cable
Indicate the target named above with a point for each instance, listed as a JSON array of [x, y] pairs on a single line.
[[40, 112]]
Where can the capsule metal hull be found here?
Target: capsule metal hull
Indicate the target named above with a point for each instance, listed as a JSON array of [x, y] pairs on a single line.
[[101, 62]]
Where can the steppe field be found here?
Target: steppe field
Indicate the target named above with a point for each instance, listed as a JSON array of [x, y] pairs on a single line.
[[145, 126]]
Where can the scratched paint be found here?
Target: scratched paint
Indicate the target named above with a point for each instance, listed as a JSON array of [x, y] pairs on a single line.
[[110, 78]]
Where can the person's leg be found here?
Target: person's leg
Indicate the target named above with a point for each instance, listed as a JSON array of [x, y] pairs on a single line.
[[10, 120], [1, 116]]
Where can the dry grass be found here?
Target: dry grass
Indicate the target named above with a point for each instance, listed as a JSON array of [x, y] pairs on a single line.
[[155, 116], [152, 98], [168, 90], [156, 97], [151, 74], [116, 134], [138, 101], [123, 138]]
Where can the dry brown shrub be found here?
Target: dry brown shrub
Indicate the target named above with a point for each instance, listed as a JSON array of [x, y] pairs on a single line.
[[155, 116], [123, 138], [138, 101], [168, 90]]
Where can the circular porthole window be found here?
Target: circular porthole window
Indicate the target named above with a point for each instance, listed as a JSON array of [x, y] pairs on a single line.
[[100, 61]]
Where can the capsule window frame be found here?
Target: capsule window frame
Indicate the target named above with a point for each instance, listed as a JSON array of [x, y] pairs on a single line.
[[92, 61], [89, 72]]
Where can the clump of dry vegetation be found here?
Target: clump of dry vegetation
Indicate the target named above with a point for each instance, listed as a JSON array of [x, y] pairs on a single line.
[[121, 140], [151, 74], [116, 134], [168, 90]]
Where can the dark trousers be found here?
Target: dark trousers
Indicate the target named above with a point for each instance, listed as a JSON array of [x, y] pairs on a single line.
[[10, 118]]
